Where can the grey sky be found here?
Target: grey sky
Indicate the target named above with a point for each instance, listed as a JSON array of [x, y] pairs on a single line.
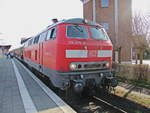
[[25, 18]]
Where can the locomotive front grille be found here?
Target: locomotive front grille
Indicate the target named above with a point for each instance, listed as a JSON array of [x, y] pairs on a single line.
[[89, 65], [92, 65]]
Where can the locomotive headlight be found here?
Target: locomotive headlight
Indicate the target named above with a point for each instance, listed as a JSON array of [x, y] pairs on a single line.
[[73, 66], [107, 64]]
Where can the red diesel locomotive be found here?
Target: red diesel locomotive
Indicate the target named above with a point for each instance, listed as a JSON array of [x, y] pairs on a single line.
[[72, 53]]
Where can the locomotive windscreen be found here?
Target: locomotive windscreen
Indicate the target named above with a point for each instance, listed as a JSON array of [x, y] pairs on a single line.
[[98, 34], [81, 32], [76, 31]]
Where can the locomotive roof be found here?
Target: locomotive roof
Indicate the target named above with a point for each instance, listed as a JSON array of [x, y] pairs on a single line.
[[75, 21], [80, 21]]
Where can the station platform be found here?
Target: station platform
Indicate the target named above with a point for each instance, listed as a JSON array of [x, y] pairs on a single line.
[[22, 92]]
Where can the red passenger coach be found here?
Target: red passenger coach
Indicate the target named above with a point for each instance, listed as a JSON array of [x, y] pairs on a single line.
[[73, 53]]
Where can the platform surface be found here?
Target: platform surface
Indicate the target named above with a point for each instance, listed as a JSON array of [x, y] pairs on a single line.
[[22, 92]]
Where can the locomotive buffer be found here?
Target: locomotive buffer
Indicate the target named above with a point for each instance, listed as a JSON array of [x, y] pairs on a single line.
[[22, 92]]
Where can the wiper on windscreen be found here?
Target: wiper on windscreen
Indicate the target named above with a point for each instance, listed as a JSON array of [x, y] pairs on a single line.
[[77, 27]]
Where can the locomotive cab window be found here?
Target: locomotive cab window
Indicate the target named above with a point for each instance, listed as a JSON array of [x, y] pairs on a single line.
[[51, 34], [76, 31], [98, 34]]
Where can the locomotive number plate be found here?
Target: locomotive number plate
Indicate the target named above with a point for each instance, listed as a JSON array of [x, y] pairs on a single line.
[[92, 53]]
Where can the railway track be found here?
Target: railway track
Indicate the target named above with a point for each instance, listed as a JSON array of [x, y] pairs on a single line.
[[93, 104], [96, 104], [104, 104], [109, 104]]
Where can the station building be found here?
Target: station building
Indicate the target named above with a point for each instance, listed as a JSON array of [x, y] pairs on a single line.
[[116, 17], [4, 49]]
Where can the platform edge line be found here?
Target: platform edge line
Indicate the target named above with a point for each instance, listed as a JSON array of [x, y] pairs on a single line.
[[61, 104], [26, 98]]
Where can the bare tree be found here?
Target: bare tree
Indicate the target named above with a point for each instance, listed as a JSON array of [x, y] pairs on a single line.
[[140, 35]]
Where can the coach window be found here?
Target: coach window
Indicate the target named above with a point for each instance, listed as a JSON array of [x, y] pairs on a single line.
[[26, 44], [42, 37], [36, 39], [51, 34], [30, 42]]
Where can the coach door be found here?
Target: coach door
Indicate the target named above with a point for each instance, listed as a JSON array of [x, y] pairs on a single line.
[[41, 54]]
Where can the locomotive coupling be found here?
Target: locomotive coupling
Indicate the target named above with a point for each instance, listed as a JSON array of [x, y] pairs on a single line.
[[78, 86], [112, 81]]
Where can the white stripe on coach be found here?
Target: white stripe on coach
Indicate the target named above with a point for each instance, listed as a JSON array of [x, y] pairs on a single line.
[[61, 104], [26, 98], [76, 53]]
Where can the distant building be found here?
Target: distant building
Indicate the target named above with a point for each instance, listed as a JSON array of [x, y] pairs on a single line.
[[116, 18], [4, 49]]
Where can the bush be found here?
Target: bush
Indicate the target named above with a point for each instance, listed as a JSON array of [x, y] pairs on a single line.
[[133, 71]]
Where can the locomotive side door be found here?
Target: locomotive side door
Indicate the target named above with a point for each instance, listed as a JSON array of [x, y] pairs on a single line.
[[41, 41], [41, 54]]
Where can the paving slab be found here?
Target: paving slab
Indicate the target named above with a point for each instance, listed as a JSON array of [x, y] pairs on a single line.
[[10, 98], [22, 92]]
